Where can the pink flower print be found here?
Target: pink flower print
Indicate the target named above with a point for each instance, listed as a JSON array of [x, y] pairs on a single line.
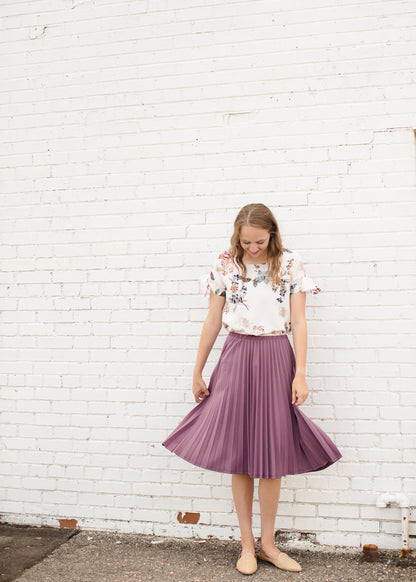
[[226, 262], [289, 266]]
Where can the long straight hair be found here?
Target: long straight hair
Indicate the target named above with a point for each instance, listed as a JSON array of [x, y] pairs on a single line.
[[259, 216]]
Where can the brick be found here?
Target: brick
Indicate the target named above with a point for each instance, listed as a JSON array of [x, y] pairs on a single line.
[[316, 524], [358, 525], [315, 496], [337, 510], [299, 509]]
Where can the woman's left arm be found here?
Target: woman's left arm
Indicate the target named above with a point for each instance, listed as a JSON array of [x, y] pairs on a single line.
[[300, 389]]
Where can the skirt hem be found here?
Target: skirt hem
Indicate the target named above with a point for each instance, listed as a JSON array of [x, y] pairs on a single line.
[[319, 467]]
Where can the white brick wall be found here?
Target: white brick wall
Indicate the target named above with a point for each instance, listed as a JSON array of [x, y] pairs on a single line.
[[133, 132]]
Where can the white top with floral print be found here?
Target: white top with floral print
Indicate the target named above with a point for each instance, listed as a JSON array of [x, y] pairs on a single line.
[[255, 306]]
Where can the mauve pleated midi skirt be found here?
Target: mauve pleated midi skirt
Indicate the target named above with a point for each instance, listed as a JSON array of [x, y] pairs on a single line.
[[248, 423]]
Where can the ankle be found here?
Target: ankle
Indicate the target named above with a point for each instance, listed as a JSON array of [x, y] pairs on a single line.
[[267, 546], [247, 543]]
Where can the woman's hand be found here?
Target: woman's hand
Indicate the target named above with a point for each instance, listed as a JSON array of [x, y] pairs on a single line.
[[300, 390], [199, 389]]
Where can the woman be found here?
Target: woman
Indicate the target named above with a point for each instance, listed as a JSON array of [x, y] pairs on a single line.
[[248, 422]]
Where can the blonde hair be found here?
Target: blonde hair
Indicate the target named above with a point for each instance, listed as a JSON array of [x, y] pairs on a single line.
[[259, 216]]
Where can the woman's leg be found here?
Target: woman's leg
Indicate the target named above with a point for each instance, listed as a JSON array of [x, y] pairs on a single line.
[[243, 487], [269, 493]]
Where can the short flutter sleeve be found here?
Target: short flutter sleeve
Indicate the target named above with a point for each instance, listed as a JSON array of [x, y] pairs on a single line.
[[214, 280], [299, 280]]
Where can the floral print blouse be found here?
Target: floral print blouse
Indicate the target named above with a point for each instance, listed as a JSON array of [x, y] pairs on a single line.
[[256, 306]]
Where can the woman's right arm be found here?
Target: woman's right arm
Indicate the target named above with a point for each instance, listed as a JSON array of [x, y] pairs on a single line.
[[210, 330]]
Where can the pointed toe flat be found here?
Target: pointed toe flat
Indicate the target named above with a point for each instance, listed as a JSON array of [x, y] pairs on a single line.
[[283, 561]]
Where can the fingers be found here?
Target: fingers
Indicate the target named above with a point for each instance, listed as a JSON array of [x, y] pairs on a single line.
[[199, 398], [200, 393], [204, 392], [298, 398]]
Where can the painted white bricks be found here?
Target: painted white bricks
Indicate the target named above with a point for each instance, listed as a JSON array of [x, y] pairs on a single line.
[[134, 133]]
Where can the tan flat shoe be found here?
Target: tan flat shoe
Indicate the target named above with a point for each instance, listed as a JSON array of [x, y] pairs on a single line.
[[283, 561], [246, 563]]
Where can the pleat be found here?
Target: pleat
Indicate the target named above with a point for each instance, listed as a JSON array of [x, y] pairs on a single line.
[[248, 423]]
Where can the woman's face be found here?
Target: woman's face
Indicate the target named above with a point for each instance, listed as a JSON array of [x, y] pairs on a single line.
[[254, 241]]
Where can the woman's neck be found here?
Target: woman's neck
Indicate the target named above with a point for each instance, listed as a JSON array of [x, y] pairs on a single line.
[[260, 261]]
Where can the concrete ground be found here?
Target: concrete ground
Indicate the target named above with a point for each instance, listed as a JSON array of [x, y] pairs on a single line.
[[91, 556]]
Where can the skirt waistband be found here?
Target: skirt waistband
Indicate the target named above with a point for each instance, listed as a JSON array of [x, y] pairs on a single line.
[[251, 336]]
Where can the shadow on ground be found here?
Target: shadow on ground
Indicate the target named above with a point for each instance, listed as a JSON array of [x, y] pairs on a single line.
[[22, 547]]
